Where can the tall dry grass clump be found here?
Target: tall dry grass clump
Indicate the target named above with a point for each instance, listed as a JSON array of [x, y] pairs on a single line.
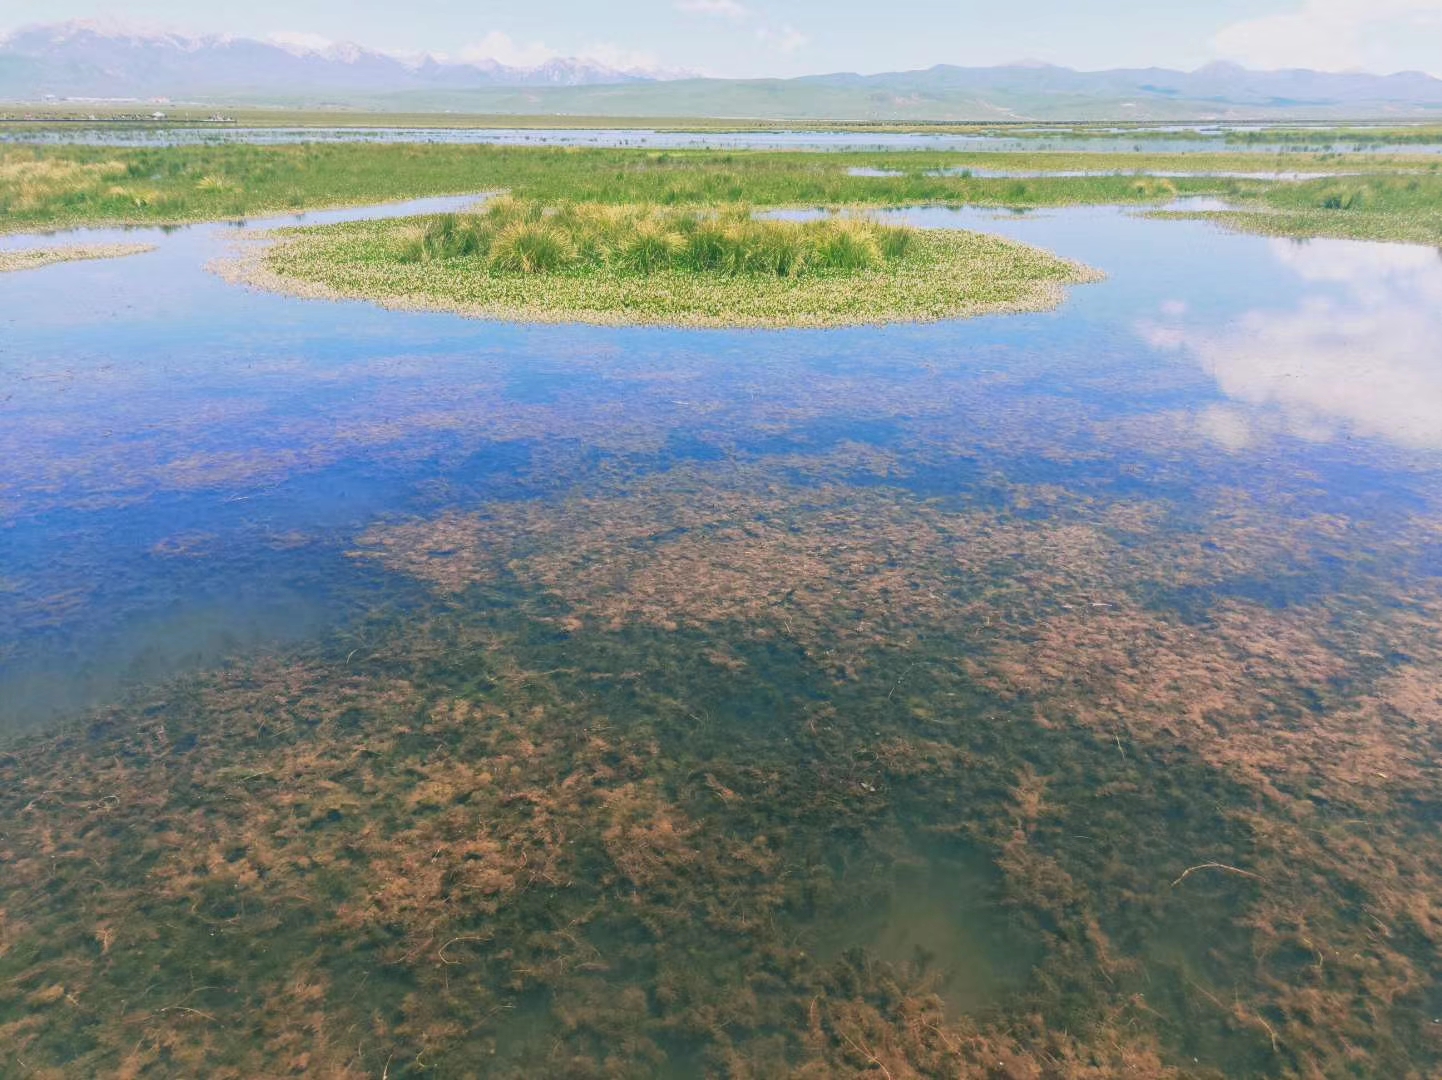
[[516, 236], [531, 247]]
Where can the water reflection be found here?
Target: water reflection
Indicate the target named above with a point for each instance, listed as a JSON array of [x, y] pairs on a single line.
[[925, 700], [1359, 352], [174, 404]]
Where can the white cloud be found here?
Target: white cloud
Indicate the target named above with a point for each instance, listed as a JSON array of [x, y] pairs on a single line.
[[724, 9], [784, 38], [501, 48], [1338, 35], [301, 43], [618, 58], [1357, 354]]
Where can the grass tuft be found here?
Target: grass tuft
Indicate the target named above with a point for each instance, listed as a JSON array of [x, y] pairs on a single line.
[[530, 247]]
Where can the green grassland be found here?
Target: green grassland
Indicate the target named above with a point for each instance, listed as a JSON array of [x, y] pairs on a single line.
[[602, 263], [933, 95], [1414, 134], [88, 185], [58, 187], [20, 117], [28, 117]]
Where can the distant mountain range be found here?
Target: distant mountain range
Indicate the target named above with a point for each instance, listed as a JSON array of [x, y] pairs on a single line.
[[82, 60], [78, 61], [1222, 92]]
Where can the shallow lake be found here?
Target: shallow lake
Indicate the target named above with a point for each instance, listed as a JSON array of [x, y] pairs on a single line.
[[1183, 141], [662, 696]]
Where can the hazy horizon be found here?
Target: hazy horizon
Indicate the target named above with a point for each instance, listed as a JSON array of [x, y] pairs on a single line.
[[788, 38]]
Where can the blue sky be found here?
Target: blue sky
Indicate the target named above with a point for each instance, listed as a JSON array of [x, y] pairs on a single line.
[[791, 37]]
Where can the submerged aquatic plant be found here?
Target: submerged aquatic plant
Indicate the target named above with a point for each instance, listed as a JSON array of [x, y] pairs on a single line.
[[629, 792]]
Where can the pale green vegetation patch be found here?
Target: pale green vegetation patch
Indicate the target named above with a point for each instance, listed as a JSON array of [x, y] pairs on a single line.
[[584, 262], [1399, 209], [1306, 224], [32, 258]]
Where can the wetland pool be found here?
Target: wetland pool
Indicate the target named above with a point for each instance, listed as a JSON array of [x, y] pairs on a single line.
[[1181, 141], [394, 694]]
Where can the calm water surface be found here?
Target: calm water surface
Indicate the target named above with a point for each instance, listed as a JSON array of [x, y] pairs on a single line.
[[710, 701], [162, 432], [1185, 141]]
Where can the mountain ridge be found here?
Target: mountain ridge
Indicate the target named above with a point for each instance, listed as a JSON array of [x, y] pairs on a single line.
[[86, 58], [85, 61]]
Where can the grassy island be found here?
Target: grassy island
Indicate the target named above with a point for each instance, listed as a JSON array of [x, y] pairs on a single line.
[[646, 264]]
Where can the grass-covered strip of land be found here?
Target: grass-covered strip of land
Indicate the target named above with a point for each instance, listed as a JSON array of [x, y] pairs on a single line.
[[32, 258], [1401, 209], [94, 185], [1414, 134], [72, 185], [30, 116], [590, 262], [1389, 198]]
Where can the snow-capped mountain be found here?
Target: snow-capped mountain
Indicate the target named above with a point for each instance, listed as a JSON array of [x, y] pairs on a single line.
[[91, 60]]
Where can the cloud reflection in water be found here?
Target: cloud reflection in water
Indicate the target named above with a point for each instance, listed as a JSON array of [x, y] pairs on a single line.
[[1360, 354]]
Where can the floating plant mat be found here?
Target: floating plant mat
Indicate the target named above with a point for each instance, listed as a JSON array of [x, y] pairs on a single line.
[[532, 262], [34, 258], [751, 773]]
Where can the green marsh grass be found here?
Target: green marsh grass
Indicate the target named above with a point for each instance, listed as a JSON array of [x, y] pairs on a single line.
[[1422, 134], [71, 185], [1399, 208]]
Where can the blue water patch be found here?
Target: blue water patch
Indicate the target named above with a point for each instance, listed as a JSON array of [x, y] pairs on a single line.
[[180, 444]]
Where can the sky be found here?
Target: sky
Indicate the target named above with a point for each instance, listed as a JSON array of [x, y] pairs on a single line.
[[795, 37]]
